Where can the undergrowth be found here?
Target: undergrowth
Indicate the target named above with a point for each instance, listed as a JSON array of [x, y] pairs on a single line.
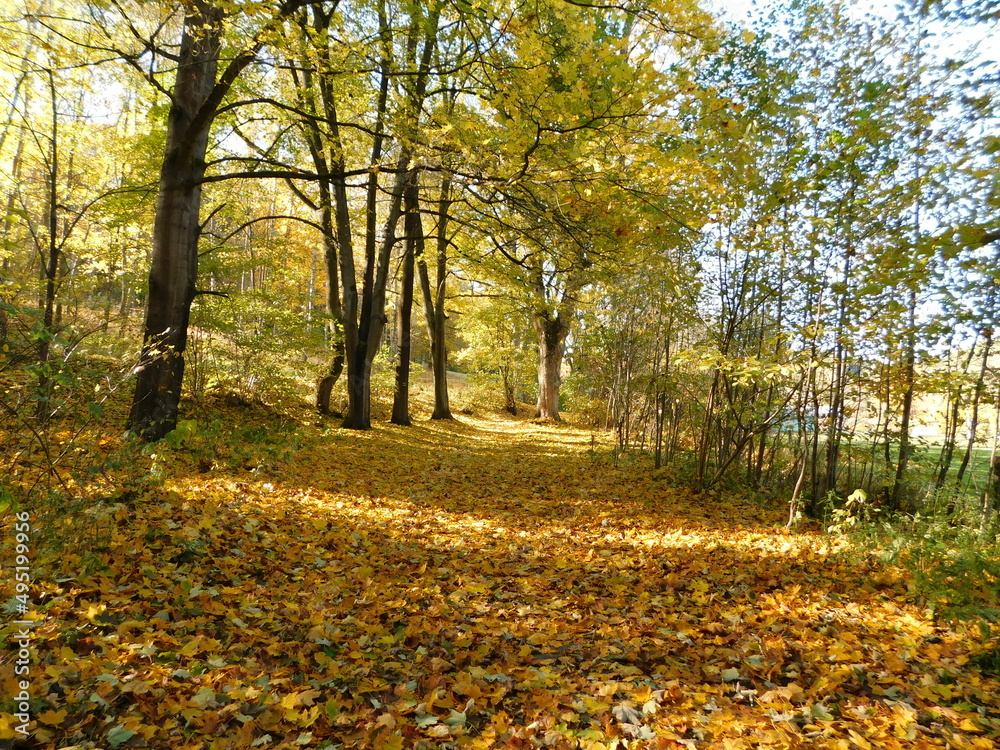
[[949, 546]]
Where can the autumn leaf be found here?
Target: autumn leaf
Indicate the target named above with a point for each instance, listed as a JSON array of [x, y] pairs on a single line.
[[498, 620]]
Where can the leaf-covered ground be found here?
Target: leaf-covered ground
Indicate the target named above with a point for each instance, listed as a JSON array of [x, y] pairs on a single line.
[[482, 583]]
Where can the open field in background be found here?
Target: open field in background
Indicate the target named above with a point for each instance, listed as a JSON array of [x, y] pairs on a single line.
[[922, 470]]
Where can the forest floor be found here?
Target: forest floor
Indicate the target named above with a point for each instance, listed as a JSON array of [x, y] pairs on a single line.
[[486, 582]]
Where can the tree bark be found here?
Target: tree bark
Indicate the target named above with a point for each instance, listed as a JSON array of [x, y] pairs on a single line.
[[324, 392], [363, 340], [413, 246], [363, 346], [195, 101], [363, 316], [952, 419], [909, 371], [314, 94], [976, 400], [330, 248], [552, 330], [434, 311], [176, 229], [50, 265]]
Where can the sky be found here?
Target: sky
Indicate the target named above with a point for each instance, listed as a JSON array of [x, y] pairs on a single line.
[[951, 42]]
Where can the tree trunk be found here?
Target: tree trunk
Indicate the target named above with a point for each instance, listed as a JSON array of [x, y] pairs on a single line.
[[363, 341], [552, 330], [325, 390], [706, 430], [909, 366], [951, 422], [803, 438], [318, 98], [991, 496], [434, 307], [977, 397], [176, 230], [332, 298], [50, 266], [413, 229], [359, 390], [509, 394]]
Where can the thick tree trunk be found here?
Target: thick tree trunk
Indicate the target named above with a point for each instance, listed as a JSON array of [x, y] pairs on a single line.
[[325, 390], [358, 308], [439, 368], [176, 229], [359, 389], [363, 340], [552, 330]]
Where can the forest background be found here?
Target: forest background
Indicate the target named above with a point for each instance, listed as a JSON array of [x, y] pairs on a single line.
[[764, 255], [754, 260]]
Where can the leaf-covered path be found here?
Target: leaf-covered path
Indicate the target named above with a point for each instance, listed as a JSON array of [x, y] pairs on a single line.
[[482, 584]]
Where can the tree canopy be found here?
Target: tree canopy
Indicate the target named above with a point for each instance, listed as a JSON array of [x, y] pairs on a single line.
[[750, 260]]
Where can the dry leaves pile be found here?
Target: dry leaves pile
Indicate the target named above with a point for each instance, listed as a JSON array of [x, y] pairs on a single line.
[[483, 584]]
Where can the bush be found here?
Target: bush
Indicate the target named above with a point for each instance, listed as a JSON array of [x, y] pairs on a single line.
[[953, 556], [60, 434], [253, 348]]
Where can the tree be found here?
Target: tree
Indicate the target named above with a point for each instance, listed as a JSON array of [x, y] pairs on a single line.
[[198, 93], [195, 97], [583, 115], [59, 174], [391, 148], [434, 297]]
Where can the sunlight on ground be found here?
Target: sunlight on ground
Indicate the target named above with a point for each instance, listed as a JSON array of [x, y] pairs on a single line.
[[485, 583]]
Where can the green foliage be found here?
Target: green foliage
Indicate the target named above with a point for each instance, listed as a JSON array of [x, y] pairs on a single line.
[[780, 226], [987, 662], [952, 553], [500, 352], [264, 439], [250, 345], [852, 513], [961, 578], [486, 392], [181, 433], [60, 438]]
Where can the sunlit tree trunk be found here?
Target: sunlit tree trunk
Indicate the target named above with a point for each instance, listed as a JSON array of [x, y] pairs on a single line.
[[50, 260], [909, 367], [953, 417], [552, 330], [838, 385], [314, 94], [554, 310], [977, 397]]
